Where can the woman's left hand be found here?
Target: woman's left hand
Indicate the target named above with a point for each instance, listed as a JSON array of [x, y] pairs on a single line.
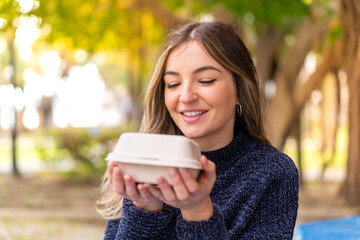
[[190, 196]]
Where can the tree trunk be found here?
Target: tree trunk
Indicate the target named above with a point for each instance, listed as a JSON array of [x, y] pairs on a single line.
[[286, 106], [14, 130], [296, 131], [265, 50], [352, 182], [290, 96], [281, 112], [329, 119], [351, 63]]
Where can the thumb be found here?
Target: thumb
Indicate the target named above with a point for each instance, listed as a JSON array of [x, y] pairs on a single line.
[[207, 165], [209, 173]]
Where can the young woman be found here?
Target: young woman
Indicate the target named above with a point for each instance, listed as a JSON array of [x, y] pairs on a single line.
[[205, 87]]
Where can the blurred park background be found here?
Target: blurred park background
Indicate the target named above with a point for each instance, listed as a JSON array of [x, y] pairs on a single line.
[[73, 74]]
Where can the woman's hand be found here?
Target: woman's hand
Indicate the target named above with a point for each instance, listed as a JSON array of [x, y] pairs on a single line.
[[138, 193], [190, 196]]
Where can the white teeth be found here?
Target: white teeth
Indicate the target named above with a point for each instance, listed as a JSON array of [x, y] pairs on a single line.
[[192, 114]]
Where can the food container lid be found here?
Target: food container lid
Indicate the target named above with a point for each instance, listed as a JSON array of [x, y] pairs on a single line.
[[156, 149]]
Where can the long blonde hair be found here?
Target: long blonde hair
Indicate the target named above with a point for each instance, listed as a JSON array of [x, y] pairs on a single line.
[[224, 45]]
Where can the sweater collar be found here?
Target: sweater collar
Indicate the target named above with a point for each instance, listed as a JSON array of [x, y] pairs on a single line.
[[241, 143]]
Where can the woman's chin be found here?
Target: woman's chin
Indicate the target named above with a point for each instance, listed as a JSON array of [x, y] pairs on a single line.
[[193, 135]]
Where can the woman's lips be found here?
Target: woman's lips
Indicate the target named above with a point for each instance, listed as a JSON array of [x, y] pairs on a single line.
[[192, 116]]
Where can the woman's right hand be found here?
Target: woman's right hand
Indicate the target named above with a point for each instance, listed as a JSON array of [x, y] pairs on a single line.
[[138, 193]]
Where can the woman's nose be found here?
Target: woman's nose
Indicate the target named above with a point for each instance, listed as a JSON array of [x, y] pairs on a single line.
[[188, 94]]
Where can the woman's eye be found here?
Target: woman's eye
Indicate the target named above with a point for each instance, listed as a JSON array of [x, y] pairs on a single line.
[[172, 85], [207, 81]]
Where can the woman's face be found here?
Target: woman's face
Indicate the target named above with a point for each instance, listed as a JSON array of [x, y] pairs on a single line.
[[200, 96]]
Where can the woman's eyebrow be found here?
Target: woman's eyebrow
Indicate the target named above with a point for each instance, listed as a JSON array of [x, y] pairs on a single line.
[[205, 68], [171, 73], [201, 69]]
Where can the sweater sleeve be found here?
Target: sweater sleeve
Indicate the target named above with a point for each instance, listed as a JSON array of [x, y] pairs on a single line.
[[214, 228], [275, 213], [260, 201], [140, 224], [111, 229]]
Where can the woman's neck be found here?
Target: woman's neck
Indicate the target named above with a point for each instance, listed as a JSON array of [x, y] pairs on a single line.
[[213, 143]]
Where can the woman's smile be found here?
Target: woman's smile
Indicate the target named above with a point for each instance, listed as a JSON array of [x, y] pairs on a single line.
[[192, 116]]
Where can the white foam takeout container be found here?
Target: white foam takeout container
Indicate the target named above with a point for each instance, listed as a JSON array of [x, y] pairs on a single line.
[[147, 156]]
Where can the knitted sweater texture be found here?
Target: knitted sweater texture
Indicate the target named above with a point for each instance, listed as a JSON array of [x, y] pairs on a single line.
[[255, 196]]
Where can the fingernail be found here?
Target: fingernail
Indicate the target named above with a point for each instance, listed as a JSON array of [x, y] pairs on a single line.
[[140, 187], [160, 181], [183, 171], [117, 171], [173, 172], [206, 163], [127, 178]]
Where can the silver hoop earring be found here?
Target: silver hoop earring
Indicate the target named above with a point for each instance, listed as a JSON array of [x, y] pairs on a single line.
[[239, 110]]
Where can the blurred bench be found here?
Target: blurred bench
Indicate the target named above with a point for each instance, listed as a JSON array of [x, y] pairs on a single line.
[[334, 229]]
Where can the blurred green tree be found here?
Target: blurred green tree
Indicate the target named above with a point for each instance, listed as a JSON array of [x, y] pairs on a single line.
[[95, 25]]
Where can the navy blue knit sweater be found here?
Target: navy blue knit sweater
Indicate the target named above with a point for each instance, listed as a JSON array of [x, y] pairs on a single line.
[[255, 196]]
